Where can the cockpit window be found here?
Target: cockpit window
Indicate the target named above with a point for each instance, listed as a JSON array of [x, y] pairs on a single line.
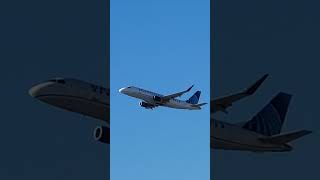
[[129, 87], [61, 81]]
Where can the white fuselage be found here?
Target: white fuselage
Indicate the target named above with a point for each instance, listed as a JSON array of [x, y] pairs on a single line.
[[148, 97], [74, 95], [233, 137], [80, 97]]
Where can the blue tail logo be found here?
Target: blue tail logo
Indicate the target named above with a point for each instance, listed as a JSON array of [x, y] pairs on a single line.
[[270, 119], [194, 99]]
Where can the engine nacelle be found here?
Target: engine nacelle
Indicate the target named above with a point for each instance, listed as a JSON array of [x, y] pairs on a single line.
[[157, 98], [143, 104], [102, 134], [146, 105]]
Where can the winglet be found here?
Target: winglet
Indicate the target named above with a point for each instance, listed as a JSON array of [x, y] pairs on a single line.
[[189, 88], [252, 89]]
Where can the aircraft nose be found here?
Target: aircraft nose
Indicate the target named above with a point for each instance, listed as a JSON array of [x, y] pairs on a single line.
[[122, 90], [34, 91], [39, 89]]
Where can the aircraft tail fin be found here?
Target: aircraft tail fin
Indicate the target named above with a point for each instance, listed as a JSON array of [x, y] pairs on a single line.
[[285, 138], [194, 99], [270, 119]]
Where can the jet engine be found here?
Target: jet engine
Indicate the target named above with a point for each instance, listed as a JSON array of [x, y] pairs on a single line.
[[146, 105], [102, 134]]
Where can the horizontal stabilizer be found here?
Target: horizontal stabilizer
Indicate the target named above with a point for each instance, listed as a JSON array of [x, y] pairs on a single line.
[[198, 105], [285, 138]]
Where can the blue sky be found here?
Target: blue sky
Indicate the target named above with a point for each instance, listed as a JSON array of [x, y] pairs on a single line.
[[162, 46]]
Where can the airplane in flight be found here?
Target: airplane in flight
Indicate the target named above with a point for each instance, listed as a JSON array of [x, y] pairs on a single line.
[[80, 97], [151, 100], [260, 134]]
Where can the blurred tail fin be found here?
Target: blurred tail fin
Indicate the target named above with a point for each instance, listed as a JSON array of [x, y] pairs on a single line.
[[270, 119]]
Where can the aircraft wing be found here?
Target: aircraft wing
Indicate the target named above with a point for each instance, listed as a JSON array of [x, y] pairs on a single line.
[[221, 104], [172, 96]]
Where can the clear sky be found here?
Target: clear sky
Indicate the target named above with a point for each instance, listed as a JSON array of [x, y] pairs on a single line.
[[281, 38], [162, 46]]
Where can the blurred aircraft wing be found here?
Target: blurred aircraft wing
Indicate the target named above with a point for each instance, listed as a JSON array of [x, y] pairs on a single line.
[[221, 104]]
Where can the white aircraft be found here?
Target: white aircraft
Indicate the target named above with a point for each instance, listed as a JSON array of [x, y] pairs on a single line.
[[262, 133], [80, 97], [152, 100]]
